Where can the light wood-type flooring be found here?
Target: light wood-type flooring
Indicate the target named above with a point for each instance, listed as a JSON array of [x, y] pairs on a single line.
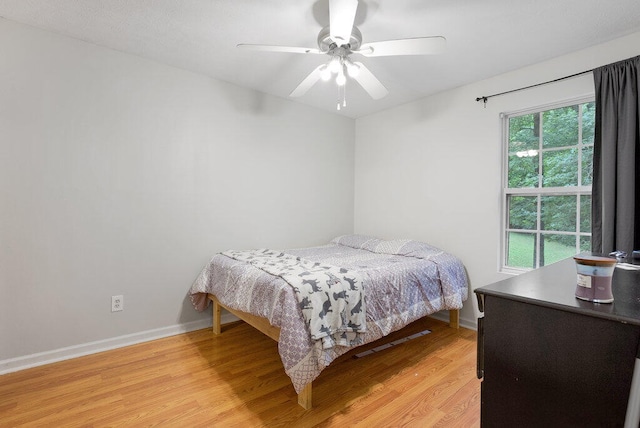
[[237, 380]]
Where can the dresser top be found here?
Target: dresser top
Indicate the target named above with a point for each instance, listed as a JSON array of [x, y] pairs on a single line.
[[554, 286]]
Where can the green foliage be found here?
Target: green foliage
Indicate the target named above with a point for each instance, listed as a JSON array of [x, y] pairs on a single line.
[[560, 168], [551, 140], [524, 132], [523, 171], [558, 213], [558, 247], [522, 249], [587, 166], [585, 243], [560, 127], [523, 212], [588, 122], [585, 214]]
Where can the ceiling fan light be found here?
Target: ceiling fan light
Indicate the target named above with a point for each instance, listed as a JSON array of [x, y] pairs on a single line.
[[352, 69], [334, 65], [325, 73], [341, 79]]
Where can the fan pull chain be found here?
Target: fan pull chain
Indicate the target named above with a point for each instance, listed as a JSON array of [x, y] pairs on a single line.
[[342, 97]]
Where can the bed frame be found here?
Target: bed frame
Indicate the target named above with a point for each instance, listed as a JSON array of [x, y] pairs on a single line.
[[262, 324]]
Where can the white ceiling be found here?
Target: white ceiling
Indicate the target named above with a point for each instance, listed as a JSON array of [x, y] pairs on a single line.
[[484, 38]]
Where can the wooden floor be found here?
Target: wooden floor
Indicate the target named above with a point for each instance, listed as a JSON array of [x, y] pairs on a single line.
[[237, 379]]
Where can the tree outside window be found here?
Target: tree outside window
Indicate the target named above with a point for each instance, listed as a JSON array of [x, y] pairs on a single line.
[[547, 192]]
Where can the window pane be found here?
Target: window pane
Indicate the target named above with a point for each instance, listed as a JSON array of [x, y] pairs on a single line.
[[558, 213], [523, 171], [521, 249], [523, 212], [585, 214], [587, 166], [548, 179], [560, 127], [588, 122], [524, 133], [556, 247], [585, 244], [560, 168]]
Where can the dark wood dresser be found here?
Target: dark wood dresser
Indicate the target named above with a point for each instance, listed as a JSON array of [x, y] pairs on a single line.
[[548, 359]]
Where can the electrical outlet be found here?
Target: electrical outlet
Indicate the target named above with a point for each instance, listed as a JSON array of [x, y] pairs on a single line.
[[117, 303]]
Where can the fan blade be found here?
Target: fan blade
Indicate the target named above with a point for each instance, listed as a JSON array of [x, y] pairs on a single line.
[[369, 82], [342, 14], [417, 46], [307, 83], [285, 49]]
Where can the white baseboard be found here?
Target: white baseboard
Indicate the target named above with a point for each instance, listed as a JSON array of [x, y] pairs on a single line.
[[34, 360], [471, 325], [47, 357]]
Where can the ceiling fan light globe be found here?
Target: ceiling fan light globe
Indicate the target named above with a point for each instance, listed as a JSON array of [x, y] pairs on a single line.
[[334, 65], [341, 79], [325, 73], [353, 70]]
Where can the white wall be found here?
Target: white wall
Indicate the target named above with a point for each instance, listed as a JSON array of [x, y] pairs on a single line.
[[119, 175], [431, 169]]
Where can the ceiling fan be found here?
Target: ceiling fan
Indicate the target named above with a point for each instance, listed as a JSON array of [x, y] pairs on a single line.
[[339, 41]]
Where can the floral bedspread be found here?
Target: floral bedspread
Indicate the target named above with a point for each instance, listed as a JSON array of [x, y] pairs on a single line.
[[403, 280]]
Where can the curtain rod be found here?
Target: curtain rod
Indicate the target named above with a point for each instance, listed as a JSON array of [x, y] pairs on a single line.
[[486, 97]]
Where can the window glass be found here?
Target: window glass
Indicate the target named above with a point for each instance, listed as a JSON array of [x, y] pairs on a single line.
[[523, 212], [560, 127], [521, 249], [558, 213], [547, 194], [523, 169], [588, 122], [587, 166], [556, 247], [585, 244], [560, 168], [585, 214], [524, 133]]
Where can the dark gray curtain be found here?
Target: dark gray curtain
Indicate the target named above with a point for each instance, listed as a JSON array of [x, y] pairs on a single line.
[[615, 210]]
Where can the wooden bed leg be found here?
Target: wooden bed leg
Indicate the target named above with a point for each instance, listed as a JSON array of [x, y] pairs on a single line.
[[304, 398], [454, 318], [216, 317]]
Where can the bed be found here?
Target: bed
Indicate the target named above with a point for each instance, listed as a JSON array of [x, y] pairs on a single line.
[[379, 287]]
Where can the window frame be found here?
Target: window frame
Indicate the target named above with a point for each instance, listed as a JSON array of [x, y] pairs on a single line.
[[540, 192]]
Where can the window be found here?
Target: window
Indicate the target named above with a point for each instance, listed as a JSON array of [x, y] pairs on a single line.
[[547, 184]]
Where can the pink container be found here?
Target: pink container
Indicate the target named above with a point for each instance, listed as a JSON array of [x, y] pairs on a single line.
[[594, 278]]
